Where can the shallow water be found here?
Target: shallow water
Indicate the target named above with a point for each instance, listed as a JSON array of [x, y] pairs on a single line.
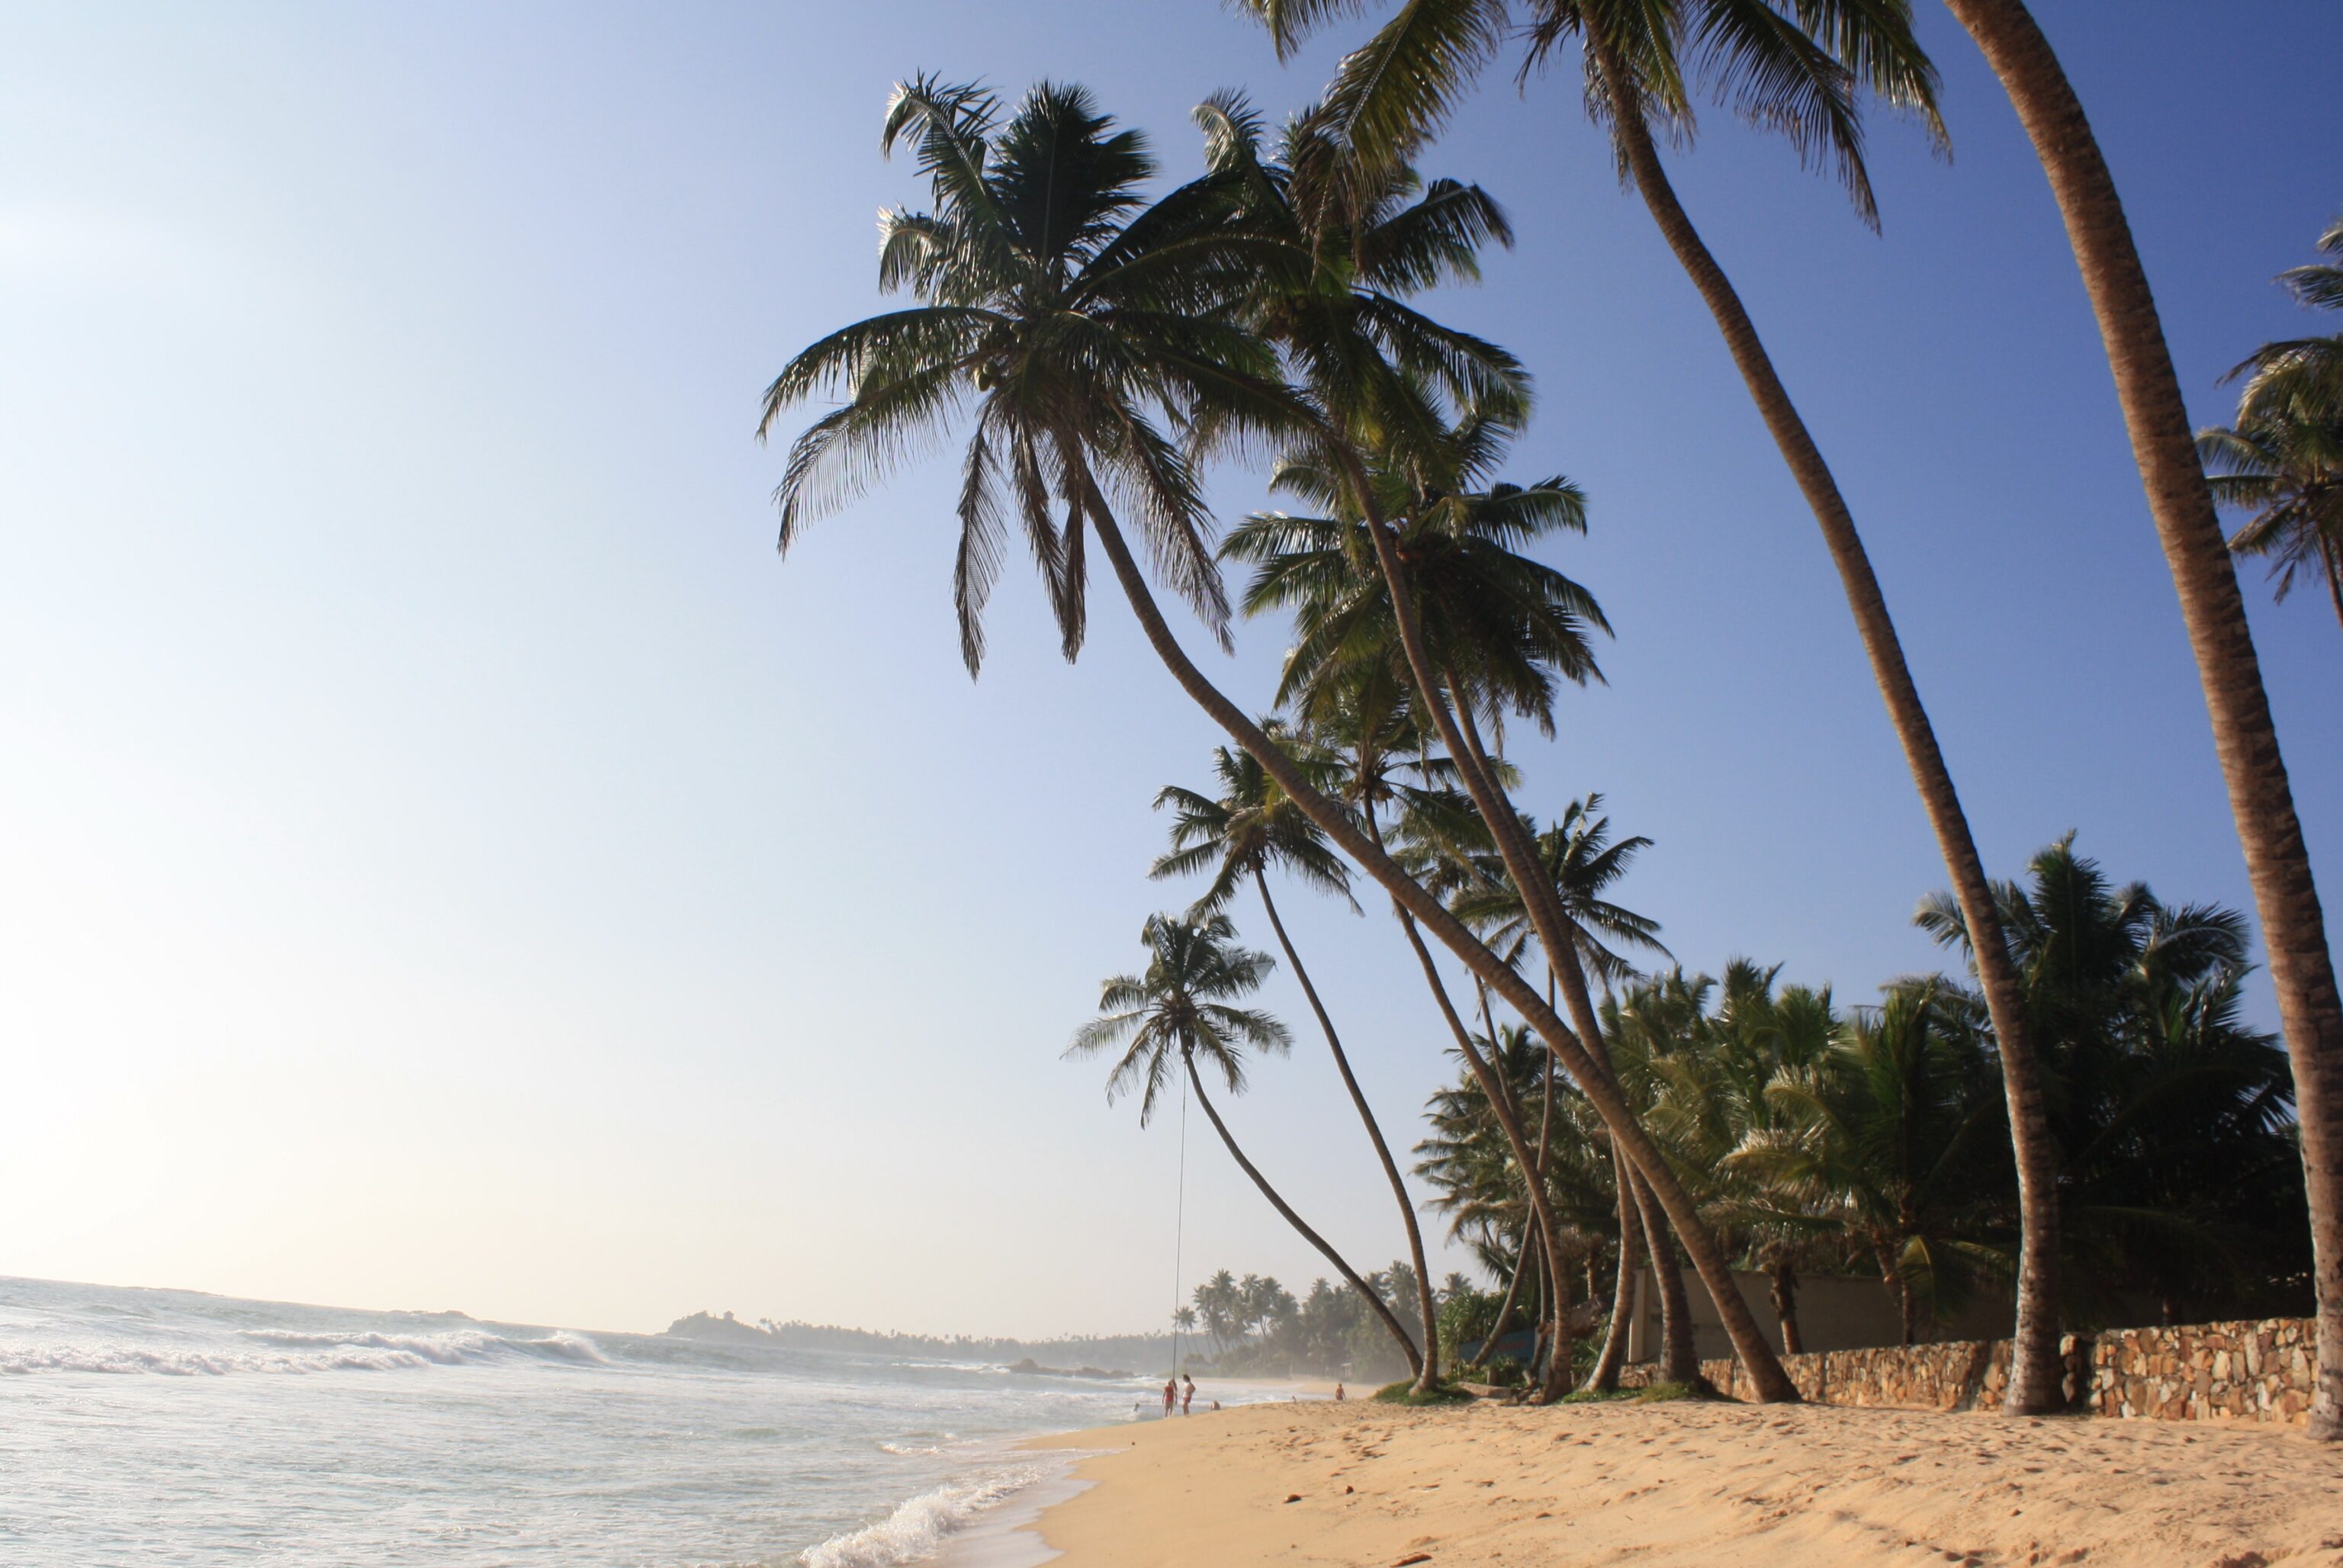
[[174, 1428]]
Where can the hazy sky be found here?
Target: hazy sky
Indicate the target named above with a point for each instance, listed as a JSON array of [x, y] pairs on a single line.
[[447, 860]]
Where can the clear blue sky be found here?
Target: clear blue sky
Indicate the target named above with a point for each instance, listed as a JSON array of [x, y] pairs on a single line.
[[445, 858]]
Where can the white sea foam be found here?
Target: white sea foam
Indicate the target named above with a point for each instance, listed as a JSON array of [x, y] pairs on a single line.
[[452, 1349], [919, 1527], [20, 1359], [293, 1353]]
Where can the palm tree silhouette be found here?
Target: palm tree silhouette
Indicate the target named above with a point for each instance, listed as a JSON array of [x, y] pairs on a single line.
[[1182, 1007], [1238, 835]]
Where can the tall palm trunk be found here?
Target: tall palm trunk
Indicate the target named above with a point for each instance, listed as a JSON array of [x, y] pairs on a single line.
[[1562, 935], [2293, 929], [1679, 1352], [1559, 937], [1512, 1291], [1381, 1309], [1907, 1308], [1428, 1372], [1613, 1355], [2035, 1367], [1782, 1284], [1493, 1088], [1769, 1381]]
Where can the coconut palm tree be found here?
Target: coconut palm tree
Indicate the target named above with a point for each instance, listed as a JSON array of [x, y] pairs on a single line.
[[2245, 736], [1379, 385], [1501, 629], [1182, 1007], [1367, 721], [1800, 69], [1895, 1131], [1576, 856], [1238, 835], [2170, 1114], [2285, 470], [1582, 861], [2301, 373], [1486, 1189], [1075, 326], [2282, 462]]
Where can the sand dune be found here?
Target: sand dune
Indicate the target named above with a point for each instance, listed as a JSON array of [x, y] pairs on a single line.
[[1363, 1486]]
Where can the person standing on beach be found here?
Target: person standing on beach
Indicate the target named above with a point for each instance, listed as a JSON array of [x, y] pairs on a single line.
[[1171, 1393], [1188, 1395], [1339, 1395]]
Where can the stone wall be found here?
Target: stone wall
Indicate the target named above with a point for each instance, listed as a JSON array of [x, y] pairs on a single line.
[[2259, 1372]]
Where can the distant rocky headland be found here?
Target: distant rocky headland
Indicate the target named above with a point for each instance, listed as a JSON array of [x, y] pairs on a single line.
[[1082, 1356], [1032, 1368]]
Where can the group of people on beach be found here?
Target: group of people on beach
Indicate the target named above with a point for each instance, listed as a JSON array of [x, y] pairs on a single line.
[[1174, 1394]]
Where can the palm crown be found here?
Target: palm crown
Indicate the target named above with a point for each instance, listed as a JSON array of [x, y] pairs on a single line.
[[1499, 626], [1089, 330], [1250, 826], [1797, 67], [1181, 1008]]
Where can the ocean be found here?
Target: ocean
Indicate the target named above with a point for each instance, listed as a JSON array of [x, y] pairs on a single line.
[[169, 1427]]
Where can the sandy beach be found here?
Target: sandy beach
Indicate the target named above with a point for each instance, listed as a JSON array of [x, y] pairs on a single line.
[[1361, 1484]]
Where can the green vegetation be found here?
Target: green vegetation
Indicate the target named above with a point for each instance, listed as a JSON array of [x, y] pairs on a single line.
[[2076, 1119], [1405, 1393], [2282, 462]]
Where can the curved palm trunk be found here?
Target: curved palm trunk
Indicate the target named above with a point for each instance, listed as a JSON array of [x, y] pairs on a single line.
[[1428, 1371], [2035, 1367], [1679, 1352], [1559, 936], [1769, 1381], [1605, 1378], [1679, 1362], [2261, 799], [1493, 1087], [1196, 1082], [1512, 1292]]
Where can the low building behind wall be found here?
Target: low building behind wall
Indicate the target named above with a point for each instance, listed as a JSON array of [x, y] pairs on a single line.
[[1835, 1312], [2249, 1372]]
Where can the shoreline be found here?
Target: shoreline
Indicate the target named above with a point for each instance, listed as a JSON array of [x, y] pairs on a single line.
[[1689, 1483], [1007, 1534]]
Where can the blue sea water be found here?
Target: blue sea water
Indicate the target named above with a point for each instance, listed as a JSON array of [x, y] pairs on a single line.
[[168, 1427]]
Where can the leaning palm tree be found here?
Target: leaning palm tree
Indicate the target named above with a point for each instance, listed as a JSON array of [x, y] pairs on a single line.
[[1077, 328], [1800, 68], [1498, 633], [1182, 1007], [1238, 835], [1366, 719], [1577, 857], [2245, 736]]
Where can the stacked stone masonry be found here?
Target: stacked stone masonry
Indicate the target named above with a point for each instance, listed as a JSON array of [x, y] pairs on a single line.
[[2258, 1372]]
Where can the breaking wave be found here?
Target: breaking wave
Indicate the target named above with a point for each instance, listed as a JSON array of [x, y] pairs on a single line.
[[294, 1353], [919, 1527]]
